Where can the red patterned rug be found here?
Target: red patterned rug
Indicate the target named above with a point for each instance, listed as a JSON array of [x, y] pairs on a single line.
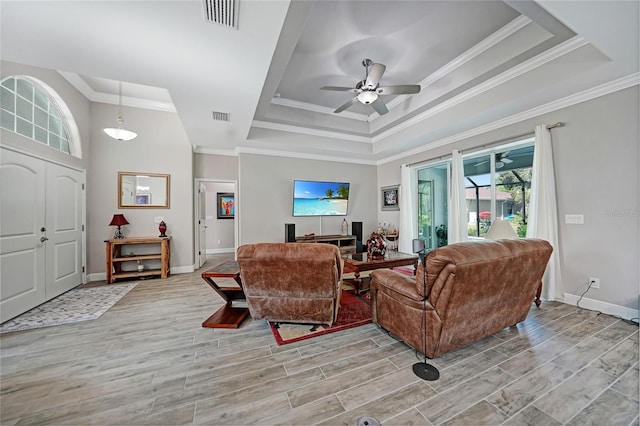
[[354, 311]]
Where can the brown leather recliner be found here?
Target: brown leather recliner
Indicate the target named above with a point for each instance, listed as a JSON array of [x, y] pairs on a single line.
[[291, 282], [473, 290]]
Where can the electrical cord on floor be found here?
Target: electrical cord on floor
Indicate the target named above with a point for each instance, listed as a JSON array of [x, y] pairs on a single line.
[[582, 295], [632, 321]]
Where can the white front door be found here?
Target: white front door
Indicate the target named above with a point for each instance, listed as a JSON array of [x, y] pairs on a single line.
[[40, 232], [22, 254], [64, 229]]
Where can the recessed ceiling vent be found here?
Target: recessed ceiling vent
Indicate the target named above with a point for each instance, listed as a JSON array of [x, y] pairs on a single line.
[[224, 12], [220, 116]]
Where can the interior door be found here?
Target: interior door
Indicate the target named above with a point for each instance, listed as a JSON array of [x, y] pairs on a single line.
[[63, 229], [202, 228], [22, 253]]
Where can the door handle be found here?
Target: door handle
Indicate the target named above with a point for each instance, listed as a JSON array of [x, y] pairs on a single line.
[[43, 239]]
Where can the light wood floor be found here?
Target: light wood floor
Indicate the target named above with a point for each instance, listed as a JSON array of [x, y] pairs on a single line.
[[148, 361]]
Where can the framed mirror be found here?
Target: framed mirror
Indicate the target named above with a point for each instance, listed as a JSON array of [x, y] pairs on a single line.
[[143, 190]]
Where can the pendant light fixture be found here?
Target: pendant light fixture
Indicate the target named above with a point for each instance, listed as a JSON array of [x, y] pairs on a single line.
[[119, 133]]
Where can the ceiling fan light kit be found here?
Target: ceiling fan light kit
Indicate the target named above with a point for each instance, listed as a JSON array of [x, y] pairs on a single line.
[[368, 90], [367, 97]]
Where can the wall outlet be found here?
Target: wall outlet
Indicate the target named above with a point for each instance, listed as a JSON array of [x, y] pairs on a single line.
[[575, 219], [594, 282], [158, 219]]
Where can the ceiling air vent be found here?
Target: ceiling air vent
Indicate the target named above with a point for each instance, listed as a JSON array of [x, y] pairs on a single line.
[[224, 12], [220, 116]]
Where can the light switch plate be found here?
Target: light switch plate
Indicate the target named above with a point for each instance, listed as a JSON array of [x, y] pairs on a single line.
[[574, 219]]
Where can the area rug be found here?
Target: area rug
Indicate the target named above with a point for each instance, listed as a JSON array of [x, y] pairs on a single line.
[[78, 304], [354, 311]]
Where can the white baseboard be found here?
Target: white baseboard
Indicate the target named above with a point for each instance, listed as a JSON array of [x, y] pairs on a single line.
[[182, 269], [98, 276], [221, 250], [604, 307]]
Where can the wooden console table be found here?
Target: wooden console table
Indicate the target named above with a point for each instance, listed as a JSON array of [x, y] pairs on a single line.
[[346, 243], [228, 316], [115, 258]]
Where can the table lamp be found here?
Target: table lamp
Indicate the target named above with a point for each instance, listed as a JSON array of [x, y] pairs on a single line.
[[118, 220], [501, 229]]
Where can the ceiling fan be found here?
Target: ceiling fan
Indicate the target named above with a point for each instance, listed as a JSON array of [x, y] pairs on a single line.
[[368, 90], [501, 160]]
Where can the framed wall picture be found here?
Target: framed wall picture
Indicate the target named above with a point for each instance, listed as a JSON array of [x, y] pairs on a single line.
[[226, 205], [390, 197], [142, 200]]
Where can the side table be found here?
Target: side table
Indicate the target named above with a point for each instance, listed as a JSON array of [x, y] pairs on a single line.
[[228, 316]]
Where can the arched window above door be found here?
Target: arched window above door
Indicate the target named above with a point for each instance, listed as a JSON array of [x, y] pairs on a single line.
[[31, 108]]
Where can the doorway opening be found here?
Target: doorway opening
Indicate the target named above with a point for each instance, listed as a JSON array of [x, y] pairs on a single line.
[[215, 234]]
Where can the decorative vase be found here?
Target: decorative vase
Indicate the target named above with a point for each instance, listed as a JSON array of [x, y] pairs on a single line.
[[345, 227], [162, 228], [376, 247]]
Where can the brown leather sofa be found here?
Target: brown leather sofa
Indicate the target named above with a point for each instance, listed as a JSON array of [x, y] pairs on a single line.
[[291, 282], [473, 289]]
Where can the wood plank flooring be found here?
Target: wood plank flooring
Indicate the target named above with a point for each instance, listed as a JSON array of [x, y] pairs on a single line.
[[149, 361]]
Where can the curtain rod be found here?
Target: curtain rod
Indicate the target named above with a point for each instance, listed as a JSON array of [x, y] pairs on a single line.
[[489, 145]]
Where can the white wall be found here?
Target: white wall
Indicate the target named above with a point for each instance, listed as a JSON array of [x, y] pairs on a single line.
[[266, 196], [161, 147], [596, 158]]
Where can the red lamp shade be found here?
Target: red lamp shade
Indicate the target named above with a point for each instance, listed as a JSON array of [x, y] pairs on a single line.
[[118, 220]]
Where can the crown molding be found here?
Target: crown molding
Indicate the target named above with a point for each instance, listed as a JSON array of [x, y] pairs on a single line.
[[583, 96], [523, 68], [306, 156], [204, 150], [317, 108], [308, 131], [78, 82]]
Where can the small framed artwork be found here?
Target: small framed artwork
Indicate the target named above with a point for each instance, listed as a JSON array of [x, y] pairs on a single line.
[[142, 200], [226, 205], [390, 197]]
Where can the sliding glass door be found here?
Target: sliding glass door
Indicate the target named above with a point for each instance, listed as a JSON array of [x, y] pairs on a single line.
[[497, 185], [432, 205]]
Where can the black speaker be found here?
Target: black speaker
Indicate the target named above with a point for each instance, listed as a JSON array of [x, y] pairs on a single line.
[[356, 229], [289, 232]]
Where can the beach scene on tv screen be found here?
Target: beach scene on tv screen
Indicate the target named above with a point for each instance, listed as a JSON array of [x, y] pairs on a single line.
[[320, 198]]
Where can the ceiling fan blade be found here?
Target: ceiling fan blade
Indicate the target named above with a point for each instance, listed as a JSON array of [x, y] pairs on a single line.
[[379, 106], [401, 89], [339, 89], [346, 105], [374, 76], [506, 160]]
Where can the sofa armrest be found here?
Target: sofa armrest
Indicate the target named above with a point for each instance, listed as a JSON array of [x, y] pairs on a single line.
[[396, 282]]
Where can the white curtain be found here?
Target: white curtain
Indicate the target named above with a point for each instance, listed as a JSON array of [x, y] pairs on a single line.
[[408, 211], [543, 213], [458, 231]]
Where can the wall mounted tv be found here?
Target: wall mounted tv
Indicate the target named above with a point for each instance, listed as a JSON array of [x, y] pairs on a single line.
[[312, 198]]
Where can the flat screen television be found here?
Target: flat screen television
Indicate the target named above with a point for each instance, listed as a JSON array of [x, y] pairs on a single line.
[[313, 198]]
